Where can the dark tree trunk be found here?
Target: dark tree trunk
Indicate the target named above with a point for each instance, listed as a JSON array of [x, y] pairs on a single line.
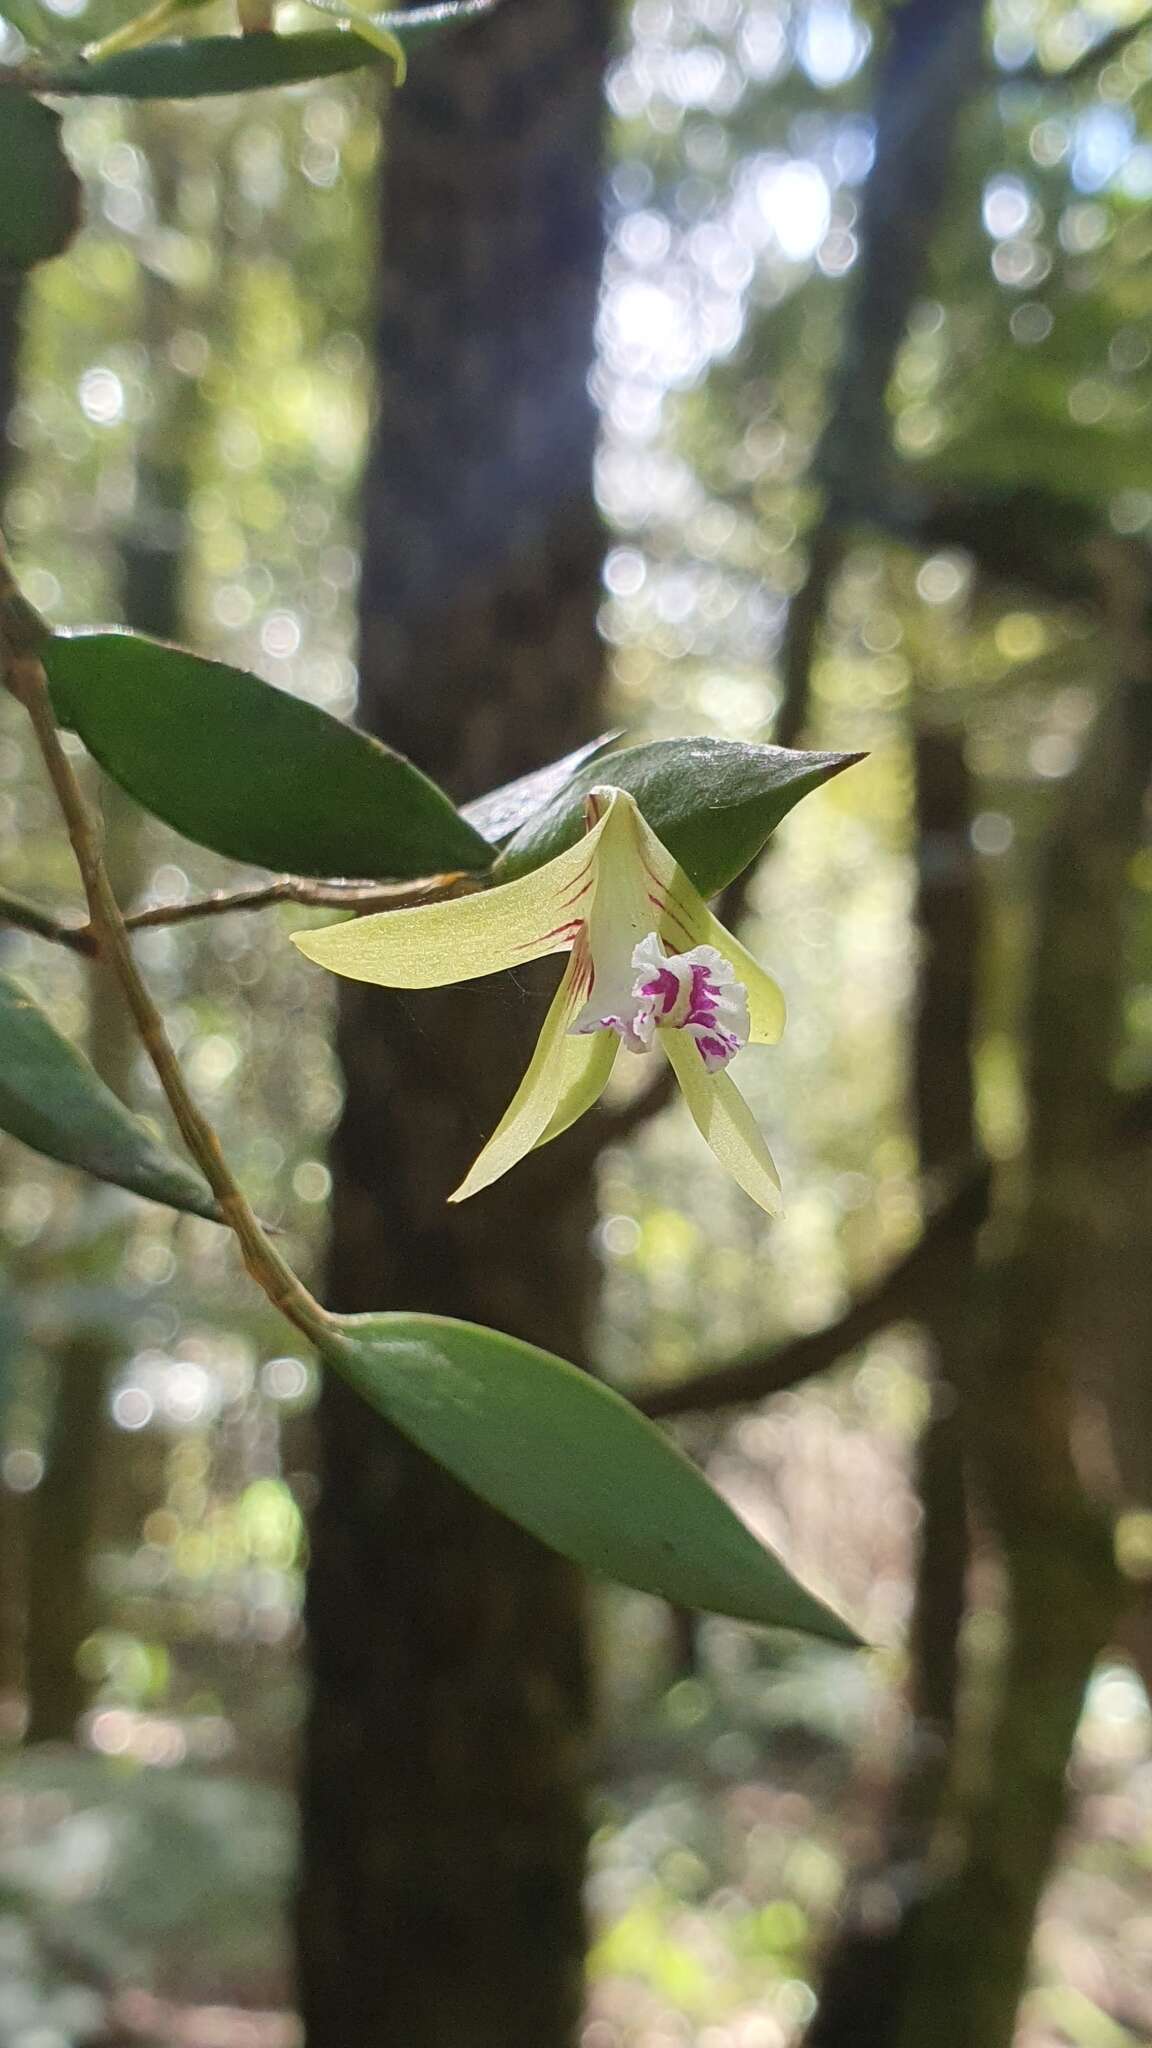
[[443, 1830]]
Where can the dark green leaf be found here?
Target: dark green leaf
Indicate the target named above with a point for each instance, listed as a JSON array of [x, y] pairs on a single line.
[[52, 1100], [574, 1463], [713, 803], [210, 65], [39, 190], [248, 770], [503, 811], [224, 64]]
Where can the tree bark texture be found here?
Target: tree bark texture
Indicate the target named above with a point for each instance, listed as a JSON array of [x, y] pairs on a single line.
[[443, 1829]]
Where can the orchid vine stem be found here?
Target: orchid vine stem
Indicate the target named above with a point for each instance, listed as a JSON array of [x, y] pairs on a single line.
[[28, 917], [81, 938], [21, 637]]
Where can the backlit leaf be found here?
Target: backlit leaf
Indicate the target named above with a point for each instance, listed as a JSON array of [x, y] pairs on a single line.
[[503, 811]]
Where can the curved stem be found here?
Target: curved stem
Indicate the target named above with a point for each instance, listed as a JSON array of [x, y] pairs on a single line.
[[362, 896], [298, 889], [20, 641]]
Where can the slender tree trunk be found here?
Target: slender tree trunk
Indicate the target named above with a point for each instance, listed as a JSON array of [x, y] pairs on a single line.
[[1064, 1591], [864, 1980], [443, 1831], [928, 69]]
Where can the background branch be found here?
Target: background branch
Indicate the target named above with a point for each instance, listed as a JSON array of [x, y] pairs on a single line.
[[16, 910], [1087, 63], [901, 1293], [334, 895]]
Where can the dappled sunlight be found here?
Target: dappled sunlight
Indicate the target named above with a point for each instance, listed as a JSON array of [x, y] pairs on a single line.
[[223, 285]]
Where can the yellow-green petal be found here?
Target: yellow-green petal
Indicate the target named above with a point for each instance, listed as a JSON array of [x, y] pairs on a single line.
[[538, 1097], [767, 1009], [381, 39], [725, 1121], [434, 944], [590, 1060]]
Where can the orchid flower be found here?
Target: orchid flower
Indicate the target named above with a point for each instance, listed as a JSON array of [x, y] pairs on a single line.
[[647, 963]]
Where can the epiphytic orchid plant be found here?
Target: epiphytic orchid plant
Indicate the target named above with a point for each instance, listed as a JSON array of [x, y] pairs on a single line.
[[272, 781], [647, 963], [262, 777]]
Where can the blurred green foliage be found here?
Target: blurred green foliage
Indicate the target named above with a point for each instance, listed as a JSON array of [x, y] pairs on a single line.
[[740, 140]]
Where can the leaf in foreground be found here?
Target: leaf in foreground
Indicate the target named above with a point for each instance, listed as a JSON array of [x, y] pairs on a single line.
[[503, 811], [249, 770], [203, 66], [572, 1462], [39, 190], [54, 1101], [712, 803]]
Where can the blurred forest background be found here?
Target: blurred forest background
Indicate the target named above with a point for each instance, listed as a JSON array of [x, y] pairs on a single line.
[[765, 368]]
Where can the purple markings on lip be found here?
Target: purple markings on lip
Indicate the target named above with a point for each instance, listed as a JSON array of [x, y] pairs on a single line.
[[665, 987], [716, 1048], [704, 999]]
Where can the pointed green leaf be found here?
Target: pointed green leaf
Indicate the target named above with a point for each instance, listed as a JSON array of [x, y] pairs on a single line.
[[206, 65], [713, 803], [54, 1101], [250, 771], [572, 1462], [503, 811], [39, 190]]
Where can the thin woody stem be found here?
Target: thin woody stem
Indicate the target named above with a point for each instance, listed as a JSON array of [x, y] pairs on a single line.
[[363, 896], [292, 889], [30, 918], [21, 636]]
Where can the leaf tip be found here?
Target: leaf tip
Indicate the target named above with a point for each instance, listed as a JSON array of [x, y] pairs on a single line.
[[305, 942]]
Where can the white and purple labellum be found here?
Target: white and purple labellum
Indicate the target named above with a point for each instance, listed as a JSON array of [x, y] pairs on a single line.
[[695, 992]]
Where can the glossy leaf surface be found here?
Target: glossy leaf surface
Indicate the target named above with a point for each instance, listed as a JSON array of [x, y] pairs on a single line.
[[503, 811], [572, 1462], [712, 803], [248, 770]]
